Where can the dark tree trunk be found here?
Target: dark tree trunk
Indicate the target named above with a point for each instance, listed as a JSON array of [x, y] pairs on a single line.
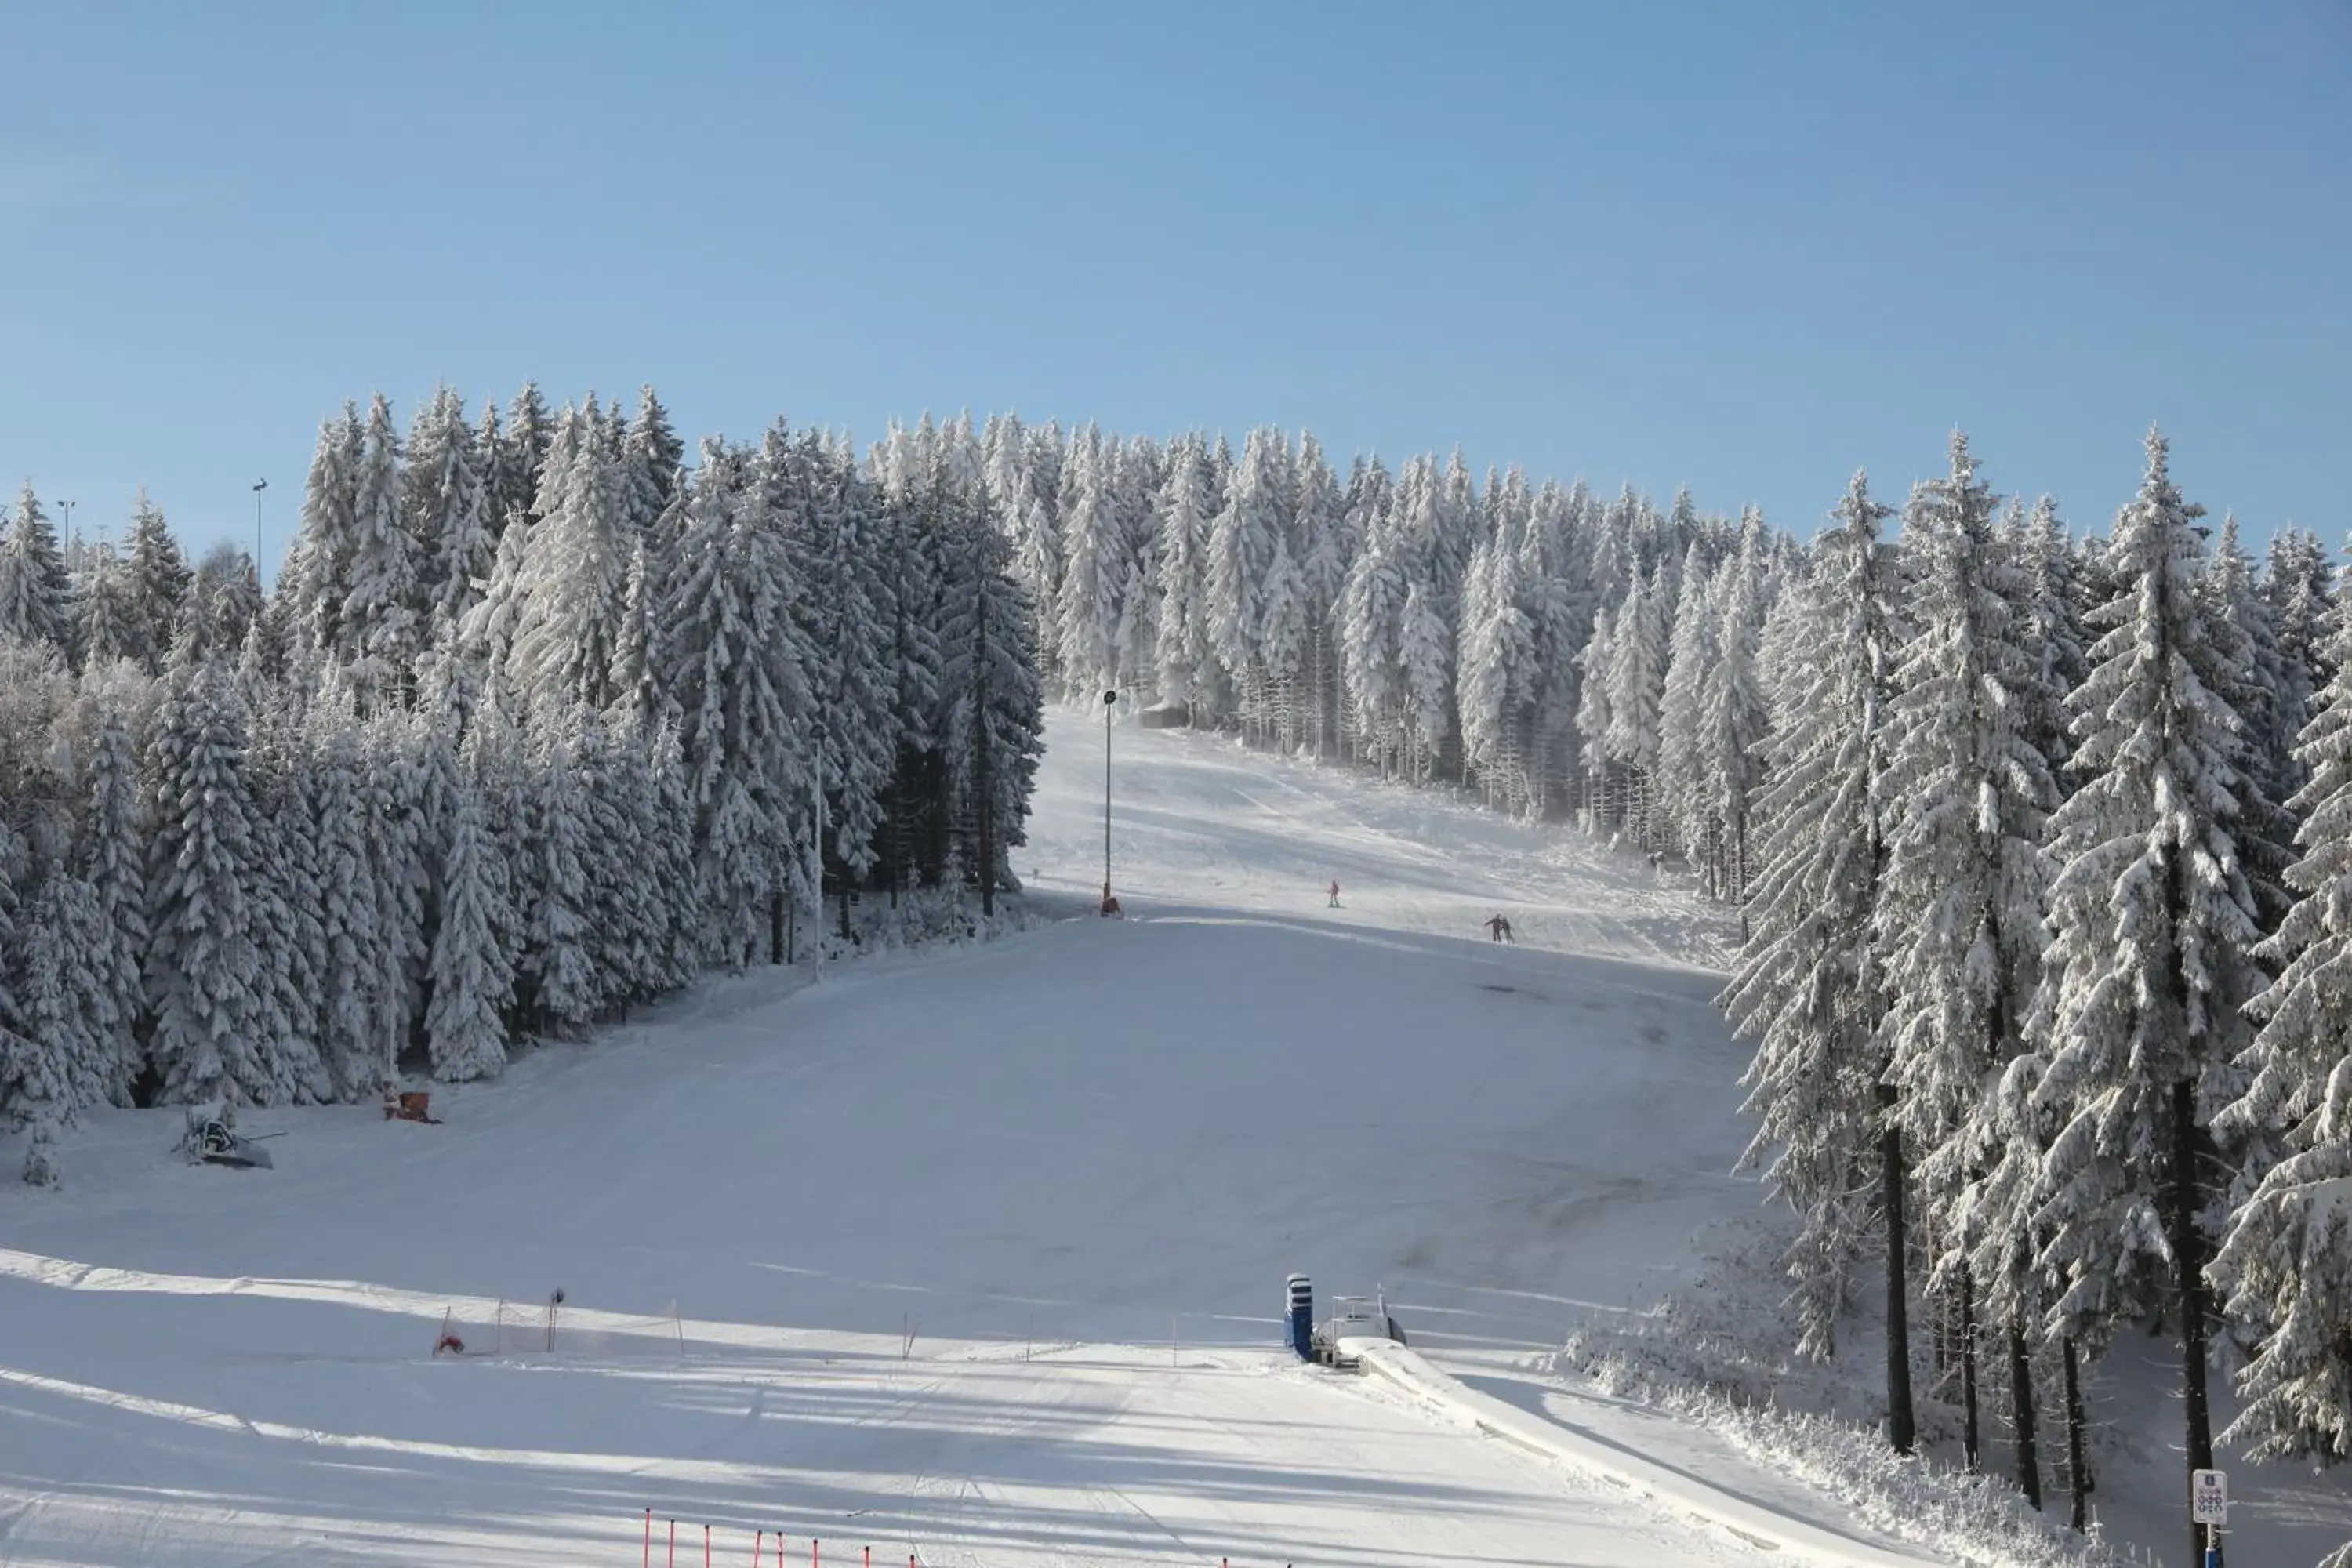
[[2078, 1480], [1971, 1453], [1900, 1428], [985, 786], [2189, 1268], [2020, 1413], [780, 947]]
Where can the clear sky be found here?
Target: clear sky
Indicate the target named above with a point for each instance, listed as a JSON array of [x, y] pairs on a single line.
[[1750, 246]]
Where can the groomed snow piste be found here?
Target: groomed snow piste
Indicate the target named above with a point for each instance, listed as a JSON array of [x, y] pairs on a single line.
[[971, 1255]]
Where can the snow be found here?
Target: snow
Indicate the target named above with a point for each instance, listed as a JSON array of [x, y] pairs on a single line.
[[975, 1253]]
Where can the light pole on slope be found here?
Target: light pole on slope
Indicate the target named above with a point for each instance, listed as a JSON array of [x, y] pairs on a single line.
[[259, 485], [1111, 703]]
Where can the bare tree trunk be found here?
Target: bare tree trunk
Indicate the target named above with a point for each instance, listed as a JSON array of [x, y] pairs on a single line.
[[2020, 1413], [1971, 1454], [2078, 1480], [1901, 1430]]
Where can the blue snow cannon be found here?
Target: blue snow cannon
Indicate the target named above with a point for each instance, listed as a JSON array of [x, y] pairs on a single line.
[[1302, 1317]]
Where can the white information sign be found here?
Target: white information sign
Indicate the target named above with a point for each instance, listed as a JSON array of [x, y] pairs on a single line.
[[2209, 1497]]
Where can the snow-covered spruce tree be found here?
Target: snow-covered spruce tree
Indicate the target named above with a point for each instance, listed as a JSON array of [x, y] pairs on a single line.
[[349, 913], [735, 667], [651, 456], [2281, 1267], [1371, 629], [464, 1028], [2246, 643], [573, 571], [846, 614], [103, 632], [1681, 813], [155, 583], [1137, 477], [1326, 548], [379, 626], [2298, 589], [203, 965], [1250, 522], [995, 711], [1809, 988], [2153, 927], [35, 590], [317, 576], [1094, 576], [1038, 535], [519, 457], [1423, 534], [1554, 575], [446, 503], [1735, 717], [1497, 655], [1959, 910], [1183, 651], [1637, 677], [110, 856], [1593, 717], [556, 982]]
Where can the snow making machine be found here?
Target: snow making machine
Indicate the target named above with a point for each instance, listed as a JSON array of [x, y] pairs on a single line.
[[1352, 1318]]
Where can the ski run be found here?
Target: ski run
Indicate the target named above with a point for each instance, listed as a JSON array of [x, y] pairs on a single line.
[[1832, 1049]]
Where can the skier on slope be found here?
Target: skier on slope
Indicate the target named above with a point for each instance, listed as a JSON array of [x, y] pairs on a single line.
[[1335, 894], [1499, 929]]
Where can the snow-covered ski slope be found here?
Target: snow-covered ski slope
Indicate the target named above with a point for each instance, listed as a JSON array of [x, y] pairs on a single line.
[[975, 1255]]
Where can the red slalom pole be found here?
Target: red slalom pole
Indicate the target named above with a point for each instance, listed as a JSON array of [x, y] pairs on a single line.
[[759, 1547], [869, 1557], [673, 1543], [705, 1546], [812, 1551], [649, 1538]]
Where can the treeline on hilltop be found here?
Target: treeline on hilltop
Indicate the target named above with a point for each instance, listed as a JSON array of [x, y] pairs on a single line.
[[540, 723]]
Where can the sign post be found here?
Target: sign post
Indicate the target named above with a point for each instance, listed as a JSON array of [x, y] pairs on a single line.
[[2209, 1505]]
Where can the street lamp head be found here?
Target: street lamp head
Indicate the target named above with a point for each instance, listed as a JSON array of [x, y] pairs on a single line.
[[1109, 697], [261, 484]]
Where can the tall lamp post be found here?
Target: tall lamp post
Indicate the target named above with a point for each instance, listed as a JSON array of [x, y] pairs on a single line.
[[66, 506], [1111, 702], [259, 485]]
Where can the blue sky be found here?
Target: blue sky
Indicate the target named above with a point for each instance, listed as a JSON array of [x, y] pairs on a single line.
[[1746, 246]]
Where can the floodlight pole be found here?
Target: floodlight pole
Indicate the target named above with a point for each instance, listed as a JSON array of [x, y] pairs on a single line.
[[1111, 703], [259, 485]]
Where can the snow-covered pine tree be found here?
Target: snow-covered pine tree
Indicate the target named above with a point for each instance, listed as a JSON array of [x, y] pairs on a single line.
[[1734, 718], [1372, 628], [2297, 588], [845, 614], [1326, 549], [1038, 536], [1183, 652], [203, 966], [350, 910], [155, 585], [1497, 642], [1809, 989], [1594, 718], [2153, 927], [994, 729], [110, 856], [1094, 576], [380, 632], [2246, 643], [447, 502], [2052, 628], [573, 574], [471, 984], [652, 456], [1680, 804], [103, 632], [1637, 679], [523, 455], [1242, 539], [2280, 1267], [1958, 920], [556, 980], [36, 591]]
